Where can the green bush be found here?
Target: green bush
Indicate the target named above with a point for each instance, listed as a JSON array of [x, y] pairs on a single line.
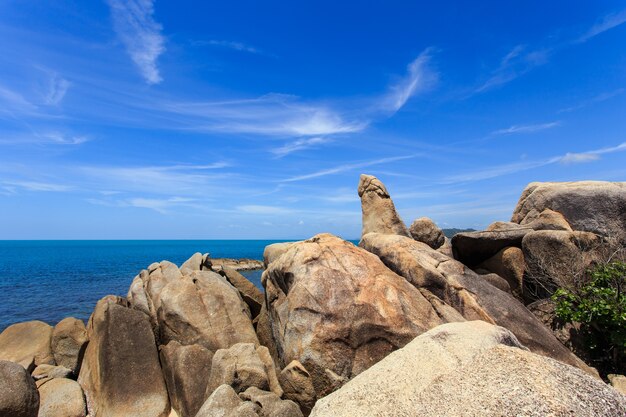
[[599, 305]]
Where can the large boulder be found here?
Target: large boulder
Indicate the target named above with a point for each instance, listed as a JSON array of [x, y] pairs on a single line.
[[69, 340], [274, 251], [337, 309], [242, 366], [197, 262], [120, 373], [463, 289], [426, 231], [61, 397], [159, 275], [379, 212], [591, 206], [27, 343], [470, 369], [509, 264], [472, 248], [203, 308], [18, 393], [186, 370], [546, 220], [249, 292]]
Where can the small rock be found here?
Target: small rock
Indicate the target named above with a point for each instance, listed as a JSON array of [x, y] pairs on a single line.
[[298, 386], [426, 231], [62, 398], [69, 340]]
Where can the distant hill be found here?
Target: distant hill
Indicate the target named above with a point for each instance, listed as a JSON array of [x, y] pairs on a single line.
[[451, 232]]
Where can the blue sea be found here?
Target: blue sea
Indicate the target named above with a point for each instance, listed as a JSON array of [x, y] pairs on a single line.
[[51, 280]]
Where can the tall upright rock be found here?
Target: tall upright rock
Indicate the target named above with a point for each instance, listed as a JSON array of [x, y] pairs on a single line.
[[379, 212]]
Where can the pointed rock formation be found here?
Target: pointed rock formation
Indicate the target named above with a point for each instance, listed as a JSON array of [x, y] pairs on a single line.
[[379, 212]]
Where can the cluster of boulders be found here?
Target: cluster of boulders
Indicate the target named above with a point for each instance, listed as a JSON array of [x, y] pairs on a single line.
[[407, 323]]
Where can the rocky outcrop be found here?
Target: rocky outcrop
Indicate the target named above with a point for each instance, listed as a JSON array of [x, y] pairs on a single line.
[[18, 393], [44, 373], [472, 248], [159, 275], [120, 374], [243, 264], [203, 308], [186, 370], [269, 404], [27, 343], [337, 309], [426, 231], [546, 220], [379, 212], [224, 402], [470, 369], [197, 262], [69, 340], [461, 288], [618, 382], [61, 398], [509, 264], [242, 366], [591, 206], [250, 294], [297, 386], [274, 251]]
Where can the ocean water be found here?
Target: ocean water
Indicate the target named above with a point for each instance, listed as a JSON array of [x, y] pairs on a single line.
[[51, 280]]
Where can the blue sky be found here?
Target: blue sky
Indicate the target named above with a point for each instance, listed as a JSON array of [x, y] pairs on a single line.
[[246, 119]]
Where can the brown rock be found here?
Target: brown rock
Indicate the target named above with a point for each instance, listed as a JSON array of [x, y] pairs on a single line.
[[69, 340], [298, 386], [446, 248], [203, 308], [197, 262], [509, 264], [121, 374], [137, 297], [591, 206], [224, 402], [27, 343], [46, 371], [275, 250], [18, 393], [336, 307], [243, 264], [462, 289], [496, 280], [186, 370], [250, 294], [472, 248], [379, 212], [62, 398], [426, 231], [154, 283], [618, 382], [546, 220], [264, 333], [270, 404]]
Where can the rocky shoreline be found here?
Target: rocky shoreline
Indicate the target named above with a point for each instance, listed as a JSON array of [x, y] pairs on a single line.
[[409, 322]]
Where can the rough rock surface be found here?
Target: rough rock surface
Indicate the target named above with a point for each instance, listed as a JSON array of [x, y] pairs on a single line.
[[224, 402], [472, 248], [121, 374], [546, 220], [379, 212], [61, 398], [47, 372], [464, 290], [69, 340], [297, 385], [269, 404], [159, 276], [274, 251], [495, 280], [618, 382], [243, 264], [426, 231], [509, 264], [471, 369], [27, 343], [18, 393], [203, 308], [250, 294], [592, 206], [338, 310], [197, 262], [186, 370], [242, 366]]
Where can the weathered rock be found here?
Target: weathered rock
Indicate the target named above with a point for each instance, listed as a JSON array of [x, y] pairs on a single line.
[[154, 283], [121, 374], [555, 258], [61, 398], [464, 290], [186, 370], [592, 206], [243, 366], [472, 248], [203, 308], [496, 280], [243, 264], [250, 294], [379, 212], [69, 340], [509, 264], [298, 386], [224, 402], [274, 251], [27, 343], [137, 297], [446, 248], [18, 393], [426, 231], [470, 369], [46, 371], [197, 262], [498, 226], [270, 404], [618, 382], [546, 220], [264, 333], [334, 306]]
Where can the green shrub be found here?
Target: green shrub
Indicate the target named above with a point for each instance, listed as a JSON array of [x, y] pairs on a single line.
[[599, 305]]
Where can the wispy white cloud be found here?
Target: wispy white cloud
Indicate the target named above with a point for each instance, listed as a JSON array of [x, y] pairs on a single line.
[[13, 102], [590, 156], [530, 128], [298, 145], [597, 99], [237, 46], [38, 186], [56, 90], [349, 167], [43, 138], [420, 77], [608, 22], [160, 205], [141, 34], [517, 62]]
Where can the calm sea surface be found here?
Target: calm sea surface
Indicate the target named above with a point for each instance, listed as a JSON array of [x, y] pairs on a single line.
[[51, 280]]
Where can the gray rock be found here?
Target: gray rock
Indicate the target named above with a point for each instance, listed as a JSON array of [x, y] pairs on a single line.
[[18, 393]]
